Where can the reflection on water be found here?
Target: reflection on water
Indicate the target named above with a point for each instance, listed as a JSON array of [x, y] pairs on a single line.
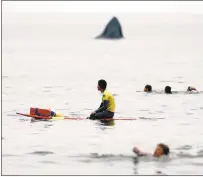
[[107, 122]]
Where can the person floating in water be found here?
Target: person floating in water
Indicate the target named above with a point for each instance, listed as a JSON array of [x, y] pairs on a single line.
[[168, 90], [161, 150], [107, 107], [192, 90], [148, 88]]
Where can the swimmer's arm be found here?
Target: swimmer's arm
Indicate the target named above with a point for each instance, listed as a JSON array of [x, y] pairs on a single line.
[[138, 152], [103, 106]]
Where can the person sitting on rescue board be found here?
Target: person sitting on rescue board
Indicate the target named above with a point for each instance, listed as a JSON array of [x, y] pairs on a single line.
[[107, 107]]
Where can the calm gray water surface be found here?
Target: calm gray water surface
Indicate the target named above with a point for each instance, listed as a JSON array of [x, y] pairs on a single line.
[[52, 61]]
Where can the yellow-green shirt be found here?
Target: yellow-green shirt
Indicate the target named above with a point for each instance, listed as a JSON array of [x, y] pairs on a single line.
[[109, 97]]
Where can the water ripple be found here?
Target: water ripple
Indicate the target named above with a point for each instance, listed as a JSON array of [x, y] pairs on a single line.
[[48, 162], [9, 155], [41, 153], [188, 155], [185, 147], [104, 156], [153, 119]]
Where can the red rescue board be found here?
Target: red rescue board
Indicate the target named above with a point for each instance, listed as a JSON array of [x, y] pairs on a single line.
[[68, 118]]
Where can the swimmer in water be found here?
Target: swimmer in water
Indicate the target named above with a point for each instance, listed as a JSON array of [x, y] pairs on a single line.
[[148, 88], [161, 149], [168, 90], [192, 90]]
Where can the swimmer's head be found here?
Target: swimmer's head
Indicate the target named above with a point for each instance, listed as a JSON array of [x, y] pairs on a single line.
[[161, 150], [191, 88], [102, 84], [168, 89], [148, 88]]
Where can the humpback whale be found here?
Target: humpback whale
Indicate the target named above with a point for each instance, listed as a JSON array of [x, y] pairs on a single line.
[[113, 30]]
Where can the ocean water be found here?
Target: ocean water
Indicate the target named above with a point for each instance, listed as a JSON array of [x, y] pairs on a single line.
[[51, 60]]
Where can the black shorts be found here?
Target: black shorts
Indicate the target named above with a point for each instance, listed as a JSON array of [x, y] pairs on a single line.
[[103, 114]]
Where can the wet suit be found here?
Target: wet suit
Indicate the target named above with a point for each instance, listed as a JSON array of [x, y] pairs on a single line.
[[107, 107]]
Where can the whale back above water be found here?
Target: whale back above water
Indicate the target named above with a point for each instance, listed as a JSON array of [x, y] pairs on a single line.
[[113, 30]]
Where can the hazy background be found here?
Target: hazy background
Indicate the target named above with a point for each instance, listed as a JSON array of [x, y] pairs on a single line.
[[104, 6]]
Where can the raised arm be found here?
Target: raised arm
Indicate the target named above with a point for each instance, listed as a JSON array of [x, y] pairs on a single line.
[[138, 152]]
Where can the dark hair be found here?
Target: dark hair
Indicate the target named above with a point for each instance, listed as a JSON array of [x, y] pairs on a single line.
[[165, 148], [149, 88], [102, 83], [168, 89]]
